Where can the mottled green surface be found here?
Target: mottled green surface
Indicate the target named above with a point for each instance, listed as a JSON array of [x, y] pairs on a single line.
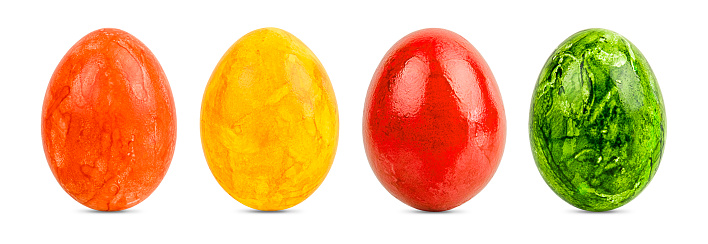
[[597, 123]]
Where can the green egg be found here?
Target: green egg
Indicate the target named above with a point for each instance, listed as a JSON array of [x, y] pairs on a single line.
[[597, 123]]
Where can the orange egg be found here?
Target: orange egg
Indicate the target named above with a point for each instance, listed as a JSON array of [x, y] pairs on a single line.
[[108, 121]]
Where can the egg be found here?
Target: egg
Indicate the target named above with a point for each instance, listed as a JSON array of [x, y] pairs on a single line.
[[108, 121], [434, 126], [269, 121], [597, 121]]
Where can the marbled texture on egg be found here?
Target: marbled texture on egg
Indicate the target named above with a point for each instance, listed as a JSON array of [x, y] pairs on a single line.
[[269, 121], [109, 121], [597, 121]]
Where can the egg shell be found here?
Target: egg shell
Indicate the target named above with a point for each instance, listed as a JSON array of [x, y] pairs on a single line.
[[597, 122], [434, 126], [269, 121], [108, 121]]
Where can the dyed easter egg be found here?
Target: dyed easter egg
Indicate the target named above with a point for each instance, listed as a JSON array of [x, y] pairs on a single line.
[[108, 121], [434, 126], [598, 124], [269, 121]]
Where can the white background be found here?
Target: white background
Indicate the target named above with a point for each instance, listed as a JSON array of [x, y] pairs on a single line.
[[350, 38]]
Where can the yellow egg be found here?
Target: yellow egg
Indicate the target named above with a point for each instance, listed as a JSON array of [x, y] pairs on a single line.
[[269, 121]]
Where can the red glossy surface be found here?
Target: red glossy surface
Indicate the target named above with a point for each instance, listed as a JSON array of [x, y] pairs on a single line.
[[108, 121], [434, 125]]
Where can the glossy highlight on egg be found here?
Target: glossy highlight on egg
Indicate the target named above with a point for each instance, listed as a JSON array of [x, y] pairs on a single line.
[[434, 126], [269, 121], [109, 121]]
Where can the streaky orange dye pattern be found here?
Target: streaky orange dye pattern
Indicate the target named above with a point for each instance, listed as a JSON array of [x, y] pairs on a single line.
[[108, 121]]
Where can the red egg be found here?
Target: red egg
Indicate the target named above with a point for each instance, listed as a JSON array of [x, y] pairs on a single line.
[[108, 121], [434, 126]]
